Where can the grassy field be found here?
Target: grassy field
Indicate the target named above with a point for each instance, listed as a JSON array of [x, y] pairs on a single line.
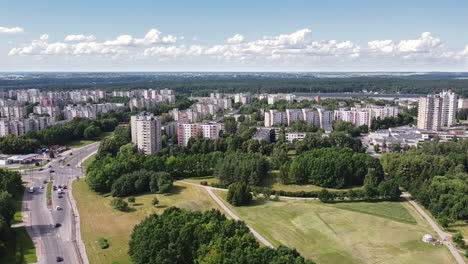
[[327, 233], [85, 164], [98, 219], [85, 142], [197, 180]]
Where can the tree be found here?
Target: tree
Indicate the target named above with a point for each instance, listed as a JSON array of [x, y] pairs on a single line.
[[326, 196], [92, 132], [119, 204], [186, 237], [389, 190], [239, 194], [279, 157], [377, 148], [370, 192], [155, 202], [458, 239], [372, 177]]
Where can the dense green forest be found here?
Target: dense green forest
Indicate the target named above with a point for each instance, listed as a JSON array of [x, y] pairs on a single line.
[[203, 84], [436, 174], [184, 237]]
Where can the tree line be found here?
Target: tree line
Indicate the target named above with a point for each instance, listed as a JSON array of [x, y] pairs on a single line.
[[180, 236], [436, 175], [11, 189]]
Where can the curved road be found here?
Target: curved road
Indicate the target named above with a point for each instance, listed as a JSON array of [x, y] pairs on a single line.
[[40, 219]]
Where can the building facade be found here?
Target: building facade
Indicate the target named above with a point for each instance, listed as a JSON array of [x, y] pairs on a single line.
[[146, 132]]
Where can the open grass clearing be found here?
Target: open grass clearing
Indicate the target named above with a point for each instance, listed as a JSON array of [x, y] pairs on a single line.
[[197, 180], [326, 233], [99, 219]]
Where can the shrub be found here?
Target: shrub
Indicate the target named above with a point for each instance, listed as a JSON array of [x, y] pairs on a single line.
[[103, 243], [131, 199], [155, 201], [239, 194], [204, 183], [119, 204]]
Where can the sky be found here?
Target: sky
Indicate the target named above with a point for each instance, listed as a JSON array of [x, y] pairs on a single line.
[[255, 35]]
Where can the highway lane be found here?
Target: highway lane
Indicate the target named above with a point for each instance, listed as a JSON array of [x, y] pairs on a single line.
[[52, 242]]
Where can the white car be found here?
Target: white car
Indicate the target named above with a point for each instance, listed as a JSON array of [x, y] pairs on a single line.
[[31, 189], [58, 208]]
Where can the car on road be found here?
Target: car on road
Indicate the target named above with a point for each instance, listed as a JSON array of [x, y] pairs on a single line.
[[60, 186], [31, 189], [55, 188], [58, 208], [68, 164], [57, 225], [40, 169], [71, 153], [60, 196], [60, 191], [45, 181], [42, 187], [59, 259], [50, 166], [51, 171], [64, 187]]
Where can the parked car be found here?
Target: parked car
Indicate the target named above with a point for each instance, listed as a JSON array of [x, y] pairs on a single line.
[[57, 225], [58, 208], [59, 259]]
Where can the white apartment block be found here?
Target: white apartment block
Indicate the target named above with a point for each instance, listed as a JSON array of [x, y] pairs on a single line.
[[243, 98], [462, 103], [164, 95], [89, 110], [13, 111], [188, 115], [209, 130], [52, 111], [18, 127], [146, 132], [437, 111], [291, 136], [142, 103]]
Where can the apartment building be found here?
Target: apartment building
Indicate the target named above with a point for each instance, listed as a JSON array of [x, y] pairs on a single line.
[[243, 98], [146, 132], [209, 130], [13, 111], [437, 111]]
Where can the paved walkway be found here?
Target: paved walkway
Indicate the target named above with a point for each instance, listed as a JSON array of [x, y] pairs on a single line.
[[444, 237], [229, 211]]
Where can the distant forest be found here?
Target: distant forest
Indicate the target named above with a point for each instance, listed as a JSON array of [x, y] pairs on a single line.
[[201, 85]]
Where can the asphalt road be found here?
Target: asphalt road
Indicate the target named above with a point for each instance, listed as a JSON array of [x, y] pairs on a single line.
[[52, 242]]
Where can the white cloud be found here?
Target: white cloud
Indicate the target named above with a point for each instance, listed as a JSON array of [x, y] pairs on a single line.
[[152, 37], [13, 30], [79, 37], [295, 48], [237, 38]]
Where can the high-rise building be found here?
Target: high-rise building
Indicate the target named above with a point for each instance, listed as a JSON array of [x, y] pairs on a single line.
[[437, 111], [146, 132]]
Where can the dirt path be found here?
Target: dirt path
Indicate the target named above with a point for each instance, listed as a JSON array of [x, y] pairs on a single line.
[[443, 236], [230, 212]]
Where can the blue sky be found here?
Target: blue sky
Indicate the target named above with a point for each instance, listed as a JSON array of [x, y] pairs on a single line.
[[336, 35]]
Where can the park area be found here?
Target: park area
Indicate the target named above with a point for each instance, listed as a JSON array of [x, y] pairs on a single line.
[[100, 220], [358, 232]]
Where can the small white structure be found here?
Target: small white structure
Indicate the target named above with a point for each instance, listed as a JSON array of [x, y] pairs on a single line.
[[428, 239]]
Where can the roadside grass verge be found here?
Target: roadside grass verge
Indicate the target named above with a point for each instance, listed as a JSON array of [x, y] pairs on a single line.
[[85, 164], [49, 193], [84, 142], [18, 198], [326, 233], [99, 220]]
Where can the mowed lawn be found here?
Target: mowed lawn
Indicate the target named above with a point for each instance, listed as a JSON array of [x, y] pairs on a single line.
[[384, 233], [99, 219], [84, 142]]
